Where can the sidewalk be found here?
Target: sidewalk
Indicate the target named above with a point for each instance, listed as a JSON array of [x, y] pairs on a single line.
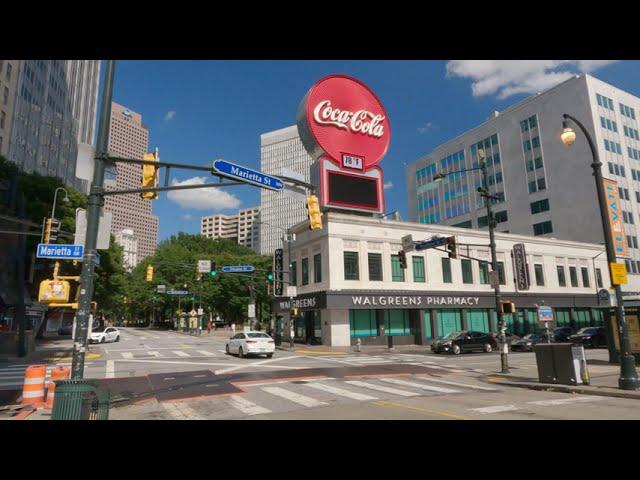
[[602, 375]]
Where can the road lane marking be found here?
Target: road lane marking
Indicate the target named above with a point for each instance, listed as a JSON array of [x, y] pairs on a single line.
[[226, 364], [247, 407], [153, 354], [111, 369], [382, 388], [419, 385], [384, 403], [274, 382], [341, 392], [180, 353], [205, 353], [495, 409], [563, 401], [293, 397], [457, 384], [256, 364], [127, 354]]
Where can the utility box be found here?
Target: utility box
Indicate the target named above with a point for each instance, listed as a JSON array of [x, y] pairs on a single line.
[[562, 363]]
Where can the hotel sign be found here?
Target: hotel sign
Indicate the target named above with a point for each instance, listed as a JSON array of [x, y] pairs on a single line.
[[615, 217]]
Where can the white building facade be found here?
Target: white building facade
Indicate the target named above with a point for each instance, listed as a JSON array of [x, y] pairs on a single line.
[[242, 227], [350, 285], [548, 188], [281, 149]]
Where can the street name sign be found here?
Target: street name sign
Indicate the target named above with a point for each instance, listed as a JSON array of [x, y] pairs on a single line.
[[60, 251], [407, 243], [545, 314], [247, 175], [292, 291], [177, 292], [238, 269], [204, 266], [436, 242]]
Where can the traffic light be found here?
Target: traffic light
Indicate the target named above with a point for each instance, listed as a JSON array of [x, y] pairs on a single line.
[[270, 274], [150, 175], [315, 217], [403, 259], [51, 230], [214, 269], [54, 291], [149, 273], [295, 312], [507, 307], [452, 247]]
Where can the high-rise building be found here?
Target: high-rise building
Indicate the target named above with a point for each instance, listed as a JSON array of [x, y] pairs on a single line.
[[281, 149], [8, 84], [548, 188], [127, 239], [54, 108], [129, 138], [241, 227]]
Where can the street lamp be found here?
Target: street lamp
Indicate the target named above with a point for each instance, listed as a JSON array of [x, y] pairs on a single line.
[[55, 197], [484, 192], [628, 376]]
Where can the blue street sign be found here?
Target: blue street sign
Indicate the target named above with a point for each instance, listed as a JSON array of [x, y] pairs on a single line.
[[177, 292], [238, 269], [59, 251], [247, 175], [437, 242], [545, 314]]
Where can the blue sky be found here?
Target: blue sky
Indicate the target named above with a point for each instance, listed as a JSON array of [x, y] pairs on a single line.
[[197, 111]]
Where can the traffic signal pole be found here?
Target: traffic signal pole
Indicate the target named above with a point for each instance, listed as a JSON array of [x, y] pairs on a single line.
[[94, 206]]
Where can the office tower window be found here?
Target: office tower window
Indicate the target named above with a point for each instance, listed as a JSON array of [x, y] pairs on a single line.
[[467, 272], [351, 269], [542, 228], [397, 273], [539, 273], [539, 206], [375, 267], [562, 281], [317, 268], [446, 270], [418, 269]]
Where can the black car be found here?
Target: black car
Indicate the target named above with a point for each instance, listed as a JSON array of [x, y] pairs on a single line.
[[465, 341], [65, 330], [590, 337], [526, 343], [510, 337], [562, 334]]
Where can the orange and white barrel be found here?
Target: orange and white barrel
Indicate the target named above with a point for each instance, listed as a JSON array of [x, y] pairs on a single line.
[[57, 373], [33, 390]]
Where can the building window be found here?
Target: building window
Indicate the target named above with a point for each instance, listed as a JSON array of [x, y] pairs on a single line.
[[539, 273], [539, 206], [446, 270], [501, 276], [418, 269], [542, 228], [317, 268], [484, 273], [573, 275], [585, 276], [599, 278], [375, 267], [562, 281], [351, 269], [305, 271], [467, 272], [397, 273], [294, 274], [363, 323]]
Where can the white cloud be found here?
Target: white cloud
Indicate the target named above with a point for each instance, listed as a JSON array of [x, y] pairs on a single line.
[[504, 78], [202, 198], [169, 115], [425, 128], [187, 217], [388, 185]]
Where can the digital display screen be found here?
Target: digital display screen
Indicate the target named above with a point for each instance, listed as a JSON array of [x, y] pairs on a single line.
[[350, 190]]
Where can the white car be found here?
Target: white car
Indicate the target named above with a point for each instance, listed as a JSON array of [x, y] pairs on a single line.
[[103, 335], [248, 343]]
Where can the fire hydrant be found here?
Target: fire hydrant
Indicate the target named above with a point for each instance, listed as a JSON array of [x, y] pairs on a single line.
[[358, 344]]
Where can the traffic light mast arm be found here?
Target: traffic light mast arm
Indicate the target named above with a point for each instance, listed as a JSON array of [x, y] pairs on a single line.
[[167, 189], [464, 256]]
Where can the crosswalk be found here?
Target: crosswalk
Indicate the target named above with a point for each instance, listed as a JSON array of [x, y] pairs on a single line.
[[163, 353], [287, 395], [12, 376], [409, 359]]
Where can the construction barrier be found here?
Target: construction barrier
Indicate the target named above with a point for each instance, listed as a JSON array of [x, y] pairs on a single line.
[[57, 373], [33, 390]]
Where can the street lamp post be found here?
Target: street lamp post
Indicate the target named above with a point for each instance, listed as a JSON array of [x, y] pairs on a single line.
[[628, 376], [484, 192], [55, 197]]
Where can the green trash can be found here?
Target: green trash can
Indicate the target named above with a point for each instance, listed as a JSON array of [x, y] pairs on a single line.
[[95, 405], [69, 398]]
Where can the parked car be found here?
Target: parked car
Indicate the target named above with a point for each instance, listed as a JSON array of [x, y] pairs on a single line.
[[562, 334], [590, 336], [103, 335], [509, 336], [526, 343], [65, 330], [465, 341], [251, 343]]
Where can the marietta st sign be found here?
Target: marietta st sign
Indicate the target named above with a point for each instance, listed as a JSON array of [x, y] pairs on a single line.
[[60, 251], [238, 269], [247, 175]]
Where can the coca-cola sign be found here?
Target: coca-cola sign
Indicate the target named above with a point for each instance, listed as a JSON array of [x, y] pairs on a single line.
[[342, 119]]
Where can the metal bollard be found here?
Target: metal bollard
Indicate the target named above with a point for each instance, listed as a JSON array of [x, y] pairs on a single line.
[[358, 345]]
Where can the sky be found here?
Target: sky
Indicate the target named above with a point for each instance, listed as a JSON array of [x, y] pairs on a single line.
[[197, 111]]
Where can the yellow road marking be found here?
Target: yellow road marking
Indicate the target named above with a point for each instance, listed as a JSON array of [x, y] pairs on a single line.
[[384, 403], [88, 356], [312, 352]]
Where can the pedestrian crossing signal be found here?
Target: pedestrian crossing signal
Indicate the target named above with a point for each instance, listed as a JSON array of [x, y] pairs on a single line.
[[150, 175], [508, 307], [149, 273]]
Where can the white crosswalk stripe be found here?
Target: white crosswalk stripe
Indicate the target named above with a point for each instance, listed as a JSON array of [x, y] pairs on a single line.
[[205, 353], [247, 407], [457, 384], [293, 397], [382, 388], [126, 354], [153, 354], [564, 401], [341, 392], [180, 353], [495, 409], [419, 385]]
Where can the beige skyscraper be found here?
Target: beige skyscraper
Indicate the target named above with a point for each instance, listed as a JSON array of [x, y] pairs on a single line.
[[130, 138]]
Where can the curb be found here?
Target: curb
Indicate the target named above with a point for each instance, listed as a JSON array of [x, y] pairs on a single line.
[[566, 389]]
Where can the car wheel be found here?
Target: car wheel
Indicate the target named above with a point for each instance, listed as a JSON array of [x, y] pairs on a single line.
[[455, 349], [240, 352], [226, 349], [269, 355], [118, 338], [102, 340], [594, 343], [488, 348]]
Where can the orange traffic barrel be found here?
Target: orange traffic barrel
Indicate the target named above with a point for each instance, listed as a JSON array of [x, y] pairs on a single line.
[[33, 390], [57, 373]]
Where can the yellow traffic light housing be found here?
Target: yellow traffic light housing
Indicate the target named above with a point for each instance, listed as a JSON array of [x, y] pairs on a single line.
[[149, 273], [150, 175], [54, 291], [315, 217], [508, 307]]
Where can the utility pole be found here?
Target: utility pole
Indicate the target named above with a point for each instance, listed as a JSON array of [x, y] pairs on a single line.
[[94, 207]]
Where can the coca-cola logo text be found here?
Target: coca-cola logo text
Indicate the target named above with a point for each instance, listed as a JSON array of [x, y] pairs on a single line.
[[361, 121]]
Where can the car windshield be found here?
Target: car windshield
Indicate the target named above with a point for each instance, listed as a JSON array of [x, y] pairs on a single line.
[[452, 336], [587, 330], [257, 335], [561, 329], [532, 336]]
